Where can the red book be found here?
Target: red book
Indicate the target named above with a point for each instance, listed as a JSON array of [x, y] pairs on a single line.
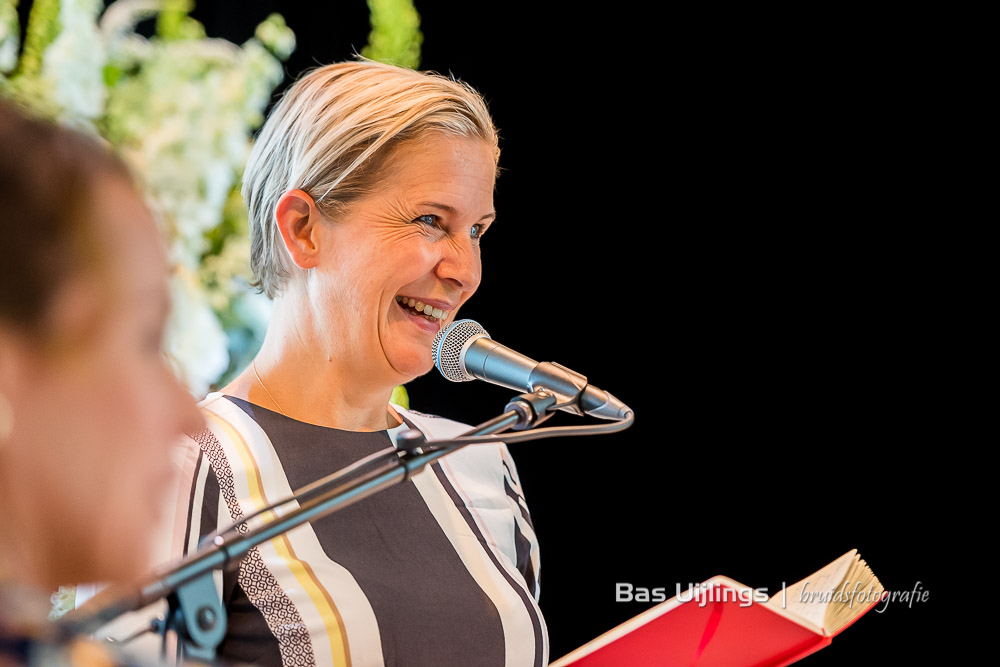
[[726, 624]]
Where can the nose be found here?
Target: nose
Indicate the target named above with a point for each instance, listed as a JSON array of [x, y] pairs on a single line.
[[460, 265]]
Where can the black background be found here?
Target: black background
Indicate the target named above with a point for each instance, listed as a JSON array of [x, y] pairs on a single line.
[[712, 215]]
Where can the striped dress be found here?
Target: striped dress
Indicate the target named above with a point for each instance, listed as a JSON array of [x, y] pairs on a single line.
[[440, 570]]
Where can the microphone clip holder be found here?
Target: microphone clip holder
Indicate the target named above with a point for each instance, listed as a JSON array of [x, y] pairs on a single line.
[[196, 615], [532, 408], [565, 384]]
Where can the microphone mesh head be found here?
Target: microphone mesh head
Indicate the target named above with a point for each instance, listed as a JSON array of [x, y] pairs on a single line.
[[447, 348]]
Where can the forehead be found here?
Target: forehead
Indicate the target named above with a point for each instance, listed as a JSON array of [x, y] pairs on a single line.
[[128, 240], [442, 161], [124, 272]]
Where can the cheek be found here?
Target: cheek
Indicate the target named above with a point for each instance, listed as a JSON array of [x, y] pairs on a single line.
[[81, 463], [477, 279], [411, 264], [113, 433], [129, 472], [363, 279]]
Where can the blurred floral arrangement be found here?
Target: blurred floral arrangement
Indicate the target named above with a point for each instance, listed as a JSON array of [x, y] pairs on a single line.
[[181, 108]]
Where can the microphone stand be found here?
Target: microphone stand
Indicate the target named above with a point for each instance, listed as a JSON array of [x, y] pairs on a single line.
[[195, 611]]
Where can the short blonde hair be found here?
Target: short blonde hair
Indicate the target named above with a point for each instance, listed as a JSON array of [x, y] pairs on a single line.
[[330, 136]]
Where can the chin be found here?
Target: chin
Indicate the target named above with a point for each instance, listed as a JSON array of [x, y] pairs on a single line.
[[413, 365]]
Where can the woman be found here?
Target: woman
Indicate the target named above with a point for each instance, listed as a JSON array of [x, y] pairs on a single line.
[[368, 189], [88, 407]]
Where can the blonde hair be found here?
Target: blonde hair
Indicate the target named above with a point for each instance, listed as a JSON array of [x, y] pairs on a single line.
[[330, 136]]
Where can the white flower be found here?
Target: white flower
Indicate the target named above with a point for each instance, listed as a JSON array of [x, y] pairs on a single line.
[[276, 36], [195, 341], [74, 62], [8, 36], [121, 17], [63, 600]]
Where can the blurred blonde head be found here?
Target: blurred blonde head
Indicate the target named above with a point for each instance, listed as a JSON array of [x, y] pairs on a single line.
[[332, 135]]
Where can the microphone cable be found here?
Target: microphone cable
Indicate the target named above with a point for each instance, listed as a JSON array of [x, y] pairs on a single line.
[[391, 455]]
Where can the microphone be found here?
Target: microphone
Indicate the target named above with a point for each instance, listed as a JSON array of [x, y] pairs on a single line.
[[463, 351]]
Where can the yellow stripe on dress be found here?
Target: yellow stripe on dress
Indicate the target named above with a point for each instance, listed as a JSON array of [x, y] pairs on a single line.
[[303, 572]]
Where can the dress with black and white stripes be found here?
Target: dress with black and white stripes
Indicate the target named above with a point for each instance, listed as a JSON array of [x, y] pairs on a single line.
[[439, 570]]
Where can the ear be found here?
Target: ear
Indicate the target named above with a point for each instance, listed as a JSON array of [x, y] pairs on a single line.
[[10, 349], [299, 222]]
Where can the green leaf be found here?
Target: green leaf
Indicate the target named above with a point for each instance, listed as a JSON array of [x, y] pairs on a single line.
[[400, 397], [10, 29], [395, 37], [170, 24], [111, 74], [43, 28]]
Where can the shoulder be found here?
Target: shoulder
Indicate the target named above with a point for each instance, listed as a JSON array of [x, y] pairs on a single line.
[[485, 462], [226, 434], [433, 426], [223, 418], [217, 403]]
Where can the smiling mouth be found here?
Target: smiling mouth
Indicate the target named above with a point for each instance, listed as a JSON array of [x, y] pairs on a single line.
[[425, 310]]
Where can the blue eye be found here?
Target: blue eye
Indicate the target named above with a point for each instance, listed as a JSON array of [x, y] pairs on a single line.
[[427, 220], [476, 231]]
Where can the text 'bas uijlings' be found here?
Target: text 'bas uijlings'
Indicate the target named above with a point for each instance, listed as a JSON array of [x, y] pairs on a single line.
[[700, 593]]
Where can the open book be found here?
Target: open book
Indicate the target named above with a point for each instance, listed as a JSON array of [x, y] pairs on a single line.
[[722, 622]]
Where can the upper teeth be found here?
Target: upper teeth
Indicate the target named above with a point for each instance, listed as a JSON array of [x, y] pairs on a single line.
[[425, 308]]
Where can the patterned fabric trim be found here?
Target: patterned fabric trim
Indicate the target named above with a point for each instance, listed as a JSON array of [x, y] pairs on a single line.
[[283, 619]]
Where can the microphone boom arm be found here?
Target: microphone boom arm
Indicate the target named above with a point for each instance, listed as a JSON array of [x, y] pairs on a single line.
[[194, 610]]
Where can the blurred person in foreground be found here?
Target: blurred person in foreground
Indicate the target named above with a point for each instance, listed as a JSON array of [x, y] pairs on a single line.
[[89, 408], [369, 190]]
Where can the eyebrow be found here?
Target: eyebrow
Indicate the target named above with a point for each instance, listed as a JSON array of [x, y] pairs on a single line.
[[452, 211]]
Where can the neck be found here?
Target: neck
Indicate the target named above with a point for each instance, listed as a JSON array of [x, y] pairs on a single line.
[[304, 375], [24, 556]]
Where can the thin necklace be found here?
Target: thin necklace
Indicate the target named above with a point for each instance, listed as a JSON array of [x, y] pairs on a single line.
[[253, 365]]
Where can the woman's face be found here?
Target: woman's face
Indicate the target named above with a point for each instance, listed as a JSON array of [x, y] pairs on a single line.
[[98, 411], [412, 244]]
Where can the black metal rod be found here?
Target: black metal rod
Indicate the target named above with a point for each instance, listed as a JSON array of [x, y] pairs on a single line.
[[230, 548]]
